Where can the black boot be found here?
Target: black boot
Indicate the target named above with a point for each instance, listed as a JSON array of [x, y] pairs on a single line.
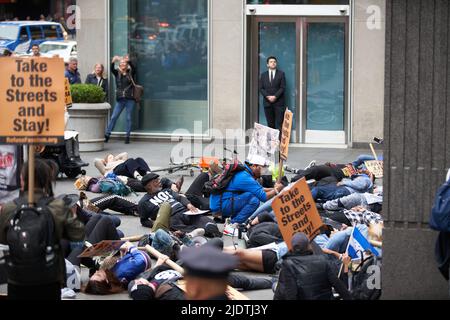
[[106, 138], [127, 140]]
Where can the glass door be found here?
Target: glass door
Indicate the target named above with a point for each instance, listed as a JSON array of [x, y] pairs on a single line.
[[278, 38], [313, 53], [325, 78]]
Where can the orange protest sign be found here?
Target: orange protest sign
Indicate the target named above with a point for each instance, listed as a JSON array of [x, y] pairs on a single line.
[[286, 135], [296, 211], [32, 100], [68, 94]]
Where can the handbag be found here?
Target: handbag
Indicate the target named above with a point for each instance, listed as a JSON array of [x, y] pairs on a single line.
[[138, 91]]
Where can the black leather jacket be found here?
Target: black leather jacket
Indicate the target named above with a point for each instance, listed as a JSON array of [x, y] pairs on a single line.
[[308, 277], [124, 86]]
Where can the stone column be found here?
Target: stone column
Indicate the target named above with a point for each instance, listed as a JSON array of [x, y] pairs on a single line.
[[417, 151], [92, 38]]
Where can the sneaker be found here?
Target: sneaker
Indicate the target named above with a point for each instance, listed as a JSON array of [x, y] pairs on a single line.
[[274, 281], [196, 233], [212, 231], [311, 164], [231, 230]]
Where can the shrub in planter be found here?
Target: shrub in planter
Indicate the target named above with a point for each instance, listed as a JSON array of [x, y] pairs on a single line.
[[87, 93]]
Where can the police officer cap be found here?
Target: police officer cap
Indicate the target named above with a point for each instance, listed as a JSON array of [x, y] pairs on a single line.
[[149, 177], [208, 262]]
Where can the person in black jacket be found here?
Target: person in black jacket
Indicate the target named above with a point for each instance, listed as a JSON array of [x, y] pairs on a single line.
[[308, 276], [272, 85], [97, 77], [124, 95]]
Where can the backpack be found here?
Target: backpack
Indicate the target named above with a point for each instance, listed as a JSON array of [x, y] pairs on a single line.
[[33, 246], [440, 213], [114, 186], [219, 183], [360, 280]]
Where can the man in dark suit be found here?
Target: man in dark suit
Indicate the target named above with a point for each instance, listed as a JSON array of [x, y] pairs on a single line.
[[272, 85]]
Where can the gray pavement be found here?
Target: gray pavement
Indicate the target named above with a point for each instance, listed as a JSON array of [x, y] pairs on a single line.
[[157, 155]]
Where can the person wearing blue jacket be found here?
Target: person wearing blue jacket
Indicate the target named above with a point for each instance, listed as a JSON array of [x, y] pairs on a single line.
[[359, 183], [114, 275], [243, 195]]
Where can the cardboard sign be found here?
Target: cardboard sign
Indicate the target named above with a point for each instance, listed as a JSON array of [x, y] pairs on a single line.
[[231, 292], [286, 135], [264, 143], [349, 170], [32, 101], [102, 249], [376, 167], [68, 94], [296, 211]]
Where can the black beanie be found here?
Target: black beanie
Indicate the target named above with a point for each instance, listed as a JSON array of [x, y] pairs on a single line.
[[142, 292]]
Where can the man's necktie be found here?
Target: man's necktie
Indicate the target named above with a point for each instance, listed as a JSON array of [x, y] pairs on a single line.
[[271, 76]]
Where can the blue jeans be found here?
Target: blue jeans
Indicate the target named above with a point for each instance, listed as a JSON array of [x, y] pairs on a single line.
[[363, 158], [265, 207], [162, 242], [121, 104], [339, 241], [243, 207], [329, 192]]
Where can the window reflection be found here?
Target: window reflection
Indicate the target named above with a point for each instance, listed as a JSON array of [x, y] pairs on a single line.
[[167, 41]]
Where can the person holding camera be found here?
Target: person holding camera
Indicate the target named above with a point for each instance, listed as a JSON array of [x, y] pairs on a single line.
[[124, 94]]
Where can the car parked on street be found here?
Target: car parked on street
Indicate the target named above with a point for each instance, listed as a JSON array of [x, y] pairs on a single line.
[[20, 36]]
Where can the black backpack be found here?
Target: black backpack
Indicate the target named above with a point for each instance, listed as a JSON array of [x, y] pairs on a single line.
[[360, 287], [219, 183], [33, 247]]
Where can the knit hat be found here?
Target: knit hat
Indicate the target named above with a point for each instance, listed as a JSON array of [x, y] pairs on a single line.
[[142, 292], [300, 242]]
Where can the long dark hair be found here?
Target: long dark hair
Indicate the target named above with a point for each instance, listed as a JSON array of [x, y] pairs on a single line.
[[110, 286], [43, 176]]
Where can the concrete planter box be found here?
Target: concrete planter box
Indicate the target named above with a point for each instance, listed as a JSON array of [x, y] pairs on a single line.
[[90, 120]]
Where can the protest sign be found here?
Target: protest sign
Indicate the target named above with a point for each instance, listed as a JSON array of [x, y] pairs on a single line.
[[102, 249], [264, 143], [286, 135], [296, 211], [375, 167], [68, 94], [32, 101]]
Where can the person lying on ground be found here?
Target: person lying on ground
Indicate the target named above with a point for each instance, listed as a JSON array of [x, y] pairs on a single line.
[[159, 283], [121, 165], [112, 202], [359, 183], [371, 201], [308, 276], [359, 163], [356, 215], [98, 228], [173, 217], [318, 172], [115, 273]]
